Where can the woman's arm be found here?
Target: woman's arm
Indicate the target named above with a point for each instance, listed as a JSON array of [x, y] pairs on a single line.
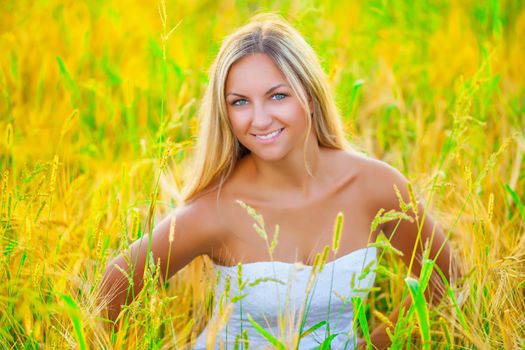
[[188, 232], [408, 237]]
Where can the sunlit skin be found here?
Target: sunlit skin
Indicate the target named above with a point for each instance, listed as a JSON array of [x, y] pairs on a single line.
[[260, 101], [274, 180], [101, 103]]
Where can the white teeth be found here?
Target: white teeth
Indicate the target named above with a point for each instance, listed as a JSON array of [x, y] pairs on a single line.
[[270, 135]]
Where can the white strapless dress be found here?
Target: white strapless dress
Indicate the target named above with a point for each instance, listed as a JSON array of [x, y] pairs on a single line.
[[278, 288]]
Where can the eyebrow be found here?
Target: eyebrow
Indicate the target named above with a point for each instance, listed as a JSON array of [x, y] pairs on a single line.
[[266, 93]]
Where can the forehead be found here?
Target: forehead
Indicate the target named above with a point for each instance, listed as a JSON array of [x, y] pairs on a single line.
[[254, 72]]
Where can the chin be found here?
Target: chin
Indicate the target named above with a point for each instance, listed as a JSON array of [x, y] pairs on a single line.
[[269, 156]]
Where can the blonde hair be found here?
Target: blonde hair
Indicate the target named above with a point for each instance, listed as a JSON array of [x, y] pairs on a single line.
[[217, 149]]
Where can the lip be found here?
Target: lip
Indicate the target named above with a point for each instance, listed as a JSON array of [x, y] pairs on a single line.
[[270, 140]]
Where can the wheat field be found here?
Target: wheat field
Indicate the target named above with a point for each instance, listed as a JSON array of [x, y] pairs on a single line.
[[97, 112]]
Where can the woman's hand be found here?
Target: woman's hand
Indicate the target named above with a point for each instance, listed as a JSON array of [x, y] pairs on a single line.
[[361, 344], [379, 339]]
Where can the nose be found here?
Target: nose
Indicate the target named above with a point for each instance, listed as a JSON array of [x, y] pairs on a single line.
[[262, 120]]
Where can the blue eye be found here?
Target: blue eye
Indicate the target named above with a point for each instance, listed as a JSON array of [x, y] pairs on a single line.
[[239, 102], [278, 96]]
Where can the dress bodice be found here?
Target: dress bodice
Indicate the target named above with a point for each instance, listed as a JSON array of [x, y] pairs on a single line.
[[269, 291]]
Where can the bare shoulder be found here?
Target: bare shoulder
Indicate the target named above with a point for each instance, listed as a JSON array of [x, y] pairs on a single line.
[[202, 216], [377, 170], [191, 230], [365, 165], [376, 179]]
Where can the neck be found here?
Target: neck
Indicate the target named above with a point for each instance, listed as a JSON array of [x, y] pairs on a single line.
[[296, 172]]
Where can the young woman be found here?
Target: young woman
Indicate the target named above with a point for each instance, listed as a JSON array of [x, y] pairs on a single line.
[[271, 137]]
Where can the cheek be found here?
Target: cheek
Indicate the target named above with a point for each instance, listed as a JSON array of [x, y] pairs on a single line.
[[239, 122], [291, 114]]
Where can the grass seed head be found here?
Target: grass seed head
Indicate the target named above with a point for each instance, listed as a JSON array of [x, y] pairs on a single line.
[[172, 229], [338, 228]]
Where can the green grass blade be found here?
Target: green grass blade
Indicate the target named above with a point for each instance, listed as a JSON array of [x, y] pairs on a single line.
[[420, 305], [70, 82], [74, 314], [450, 293], [516, 200], [313, 328], [272, 339], [327, 342], [359, 309]]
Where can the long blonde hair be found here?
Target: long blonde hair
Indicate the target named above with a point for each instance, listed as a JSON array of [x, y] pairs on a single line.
[[217, 149]]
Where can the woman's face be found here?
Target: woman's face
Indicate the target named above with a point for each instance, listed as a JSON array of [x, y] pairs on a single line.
[[266, 116]]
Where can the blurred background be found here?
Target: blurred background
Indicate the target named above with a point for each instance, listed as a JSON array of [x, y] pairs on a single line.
[[97, 118]]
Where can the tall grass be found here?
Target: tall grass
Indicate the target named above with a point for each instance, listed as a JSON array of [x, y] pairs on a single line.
[[97, 113]]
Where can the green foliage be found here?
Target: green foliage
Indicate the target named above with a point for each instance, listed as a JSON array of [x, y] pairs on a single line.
[[270, 337], [74, 313], [98, 106]]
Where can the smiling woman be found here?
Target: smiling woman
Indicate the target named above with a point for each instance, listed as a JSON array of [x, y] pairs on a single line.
[[289, 61], [271, 140], [266, 116]]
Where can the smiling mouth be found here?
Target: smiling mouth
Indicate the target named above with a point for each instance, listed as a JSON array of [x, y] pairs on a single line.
[[269, 135]]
